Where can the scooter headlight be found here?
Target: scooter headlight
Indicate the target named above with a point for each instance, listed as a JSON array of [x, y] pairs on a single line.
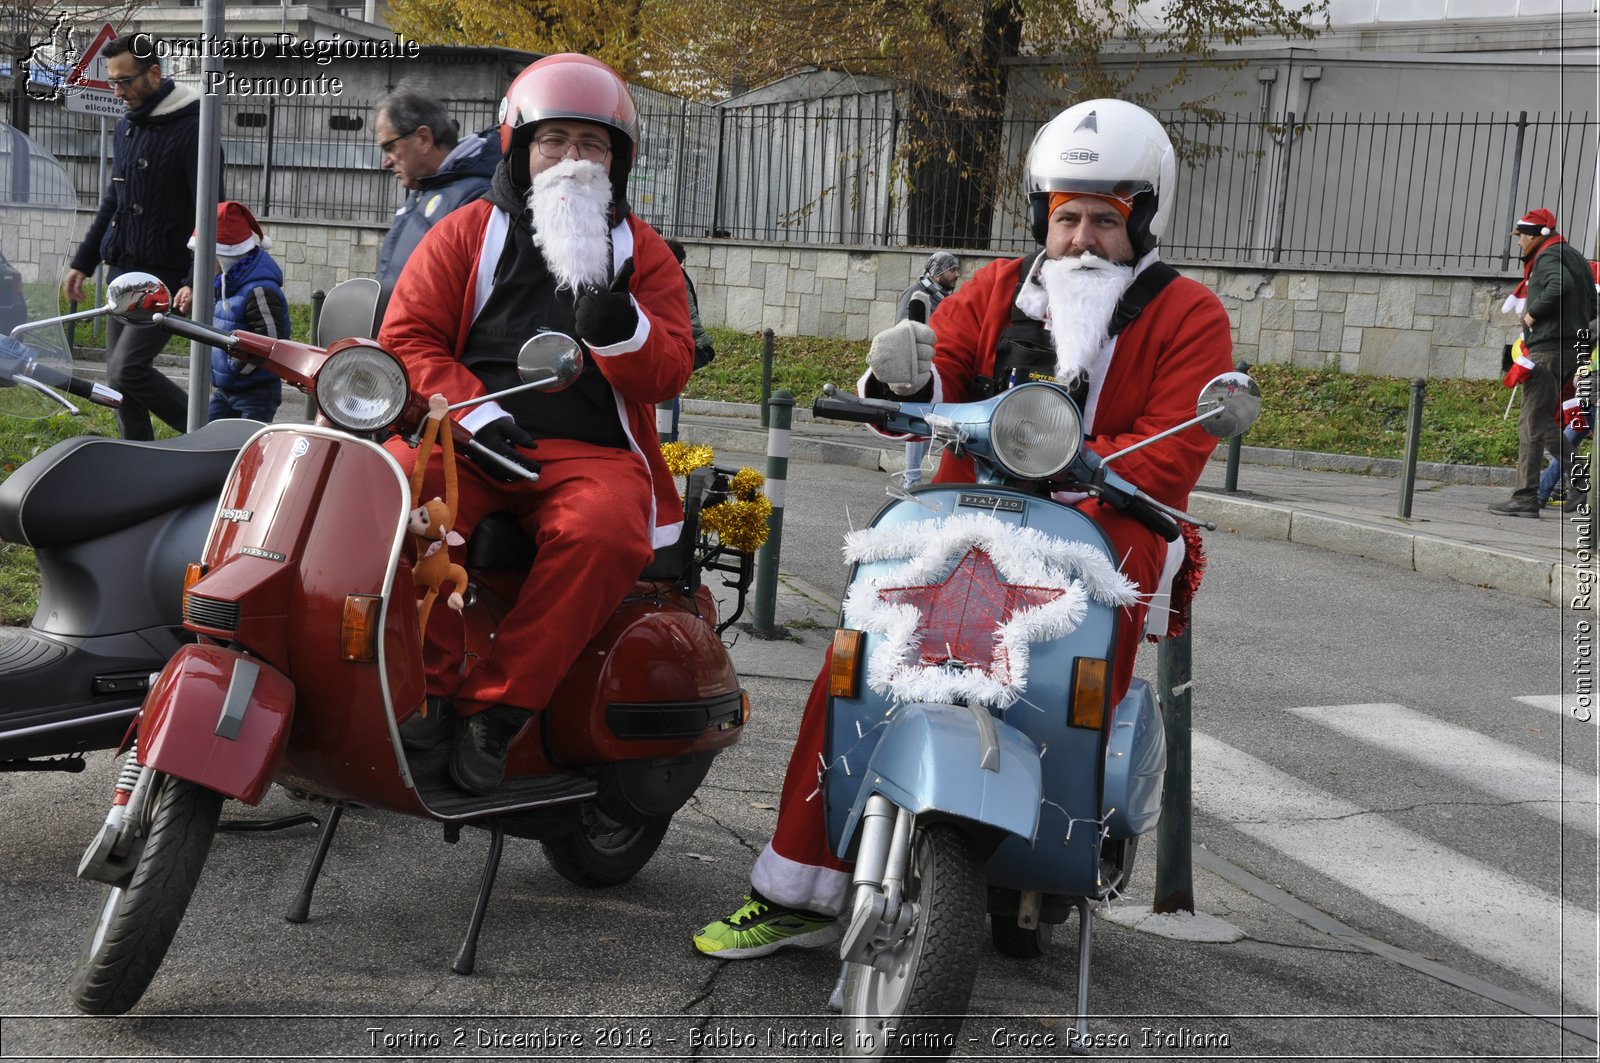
[[362, 388], [1035, 431]]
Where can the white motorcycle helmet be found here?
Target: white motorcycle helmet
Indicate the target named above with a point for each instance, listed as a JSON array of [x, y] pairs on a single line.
[[1108, 148]]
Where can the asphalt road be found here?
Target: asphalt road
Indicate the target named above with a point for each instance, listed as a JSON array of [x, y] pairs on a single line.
[[569, 973]]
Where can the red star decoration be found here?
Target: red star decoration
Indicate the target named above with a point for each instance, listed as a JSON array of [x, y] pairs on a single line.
[[961, 614]]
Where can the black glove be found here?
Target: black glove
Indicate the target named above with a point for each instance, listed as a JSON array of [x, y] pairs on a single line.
[[703, 355], [606, 315], [502, 437]]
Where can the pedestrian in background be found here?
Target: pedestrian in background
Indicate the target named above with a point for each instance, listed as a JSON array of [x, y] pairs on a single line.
[[139, 226], [248, 288], [1558, 302], [939, 278], [703, 351], [420, 144]]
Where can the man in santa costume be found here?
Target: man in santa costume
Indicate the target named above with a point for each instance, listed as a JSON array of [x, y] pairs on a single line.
[[1094, 309], [551, 246]]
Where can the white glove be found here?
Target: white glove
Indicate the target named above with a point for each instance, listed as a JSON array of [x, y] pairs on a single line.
[[901, 357]]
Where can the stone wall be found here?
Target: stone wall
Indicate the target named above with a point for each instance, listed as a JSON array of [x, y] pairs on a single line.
[[1391, 324]]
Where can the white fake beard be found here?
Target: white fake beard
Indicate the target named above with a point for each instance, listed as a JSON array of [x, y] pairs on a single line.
[[1083, 294], [571, 204]]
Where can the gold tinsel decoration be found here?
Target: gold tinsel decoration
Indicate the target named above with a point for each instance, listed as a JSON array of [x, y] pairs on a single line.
[[684, 458], [740, 524], [746, 482]]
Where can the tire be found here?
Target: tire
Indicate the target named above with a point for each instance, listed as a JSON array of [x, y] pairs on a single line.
[[603, 852], [1011, 940], [139, 919], [926, 992]]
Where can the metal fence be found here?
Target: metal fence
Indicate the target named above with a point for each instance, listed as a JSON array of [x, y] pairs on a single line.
[[1423, 192]]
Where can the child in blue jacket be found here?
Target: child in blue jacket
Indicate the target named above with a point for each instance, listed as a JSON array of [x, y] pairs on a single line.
[[249, 293]]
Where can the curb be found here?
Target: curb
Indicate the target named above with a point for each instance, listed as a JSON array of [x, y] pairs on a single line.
[[1477, 566]]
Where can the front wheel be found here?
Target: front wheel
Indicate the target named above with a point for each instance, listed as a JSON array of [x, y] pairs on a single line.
[[910, 999], [603, 852], [140, 917]]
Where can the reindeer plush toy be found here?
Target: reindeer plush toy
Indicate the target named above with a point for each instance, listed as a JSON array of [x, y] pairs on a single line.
[[432, 521]]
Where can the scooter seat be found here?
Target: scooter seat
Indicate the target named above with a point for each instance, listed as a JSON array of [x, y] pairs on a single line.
[[82, 488]]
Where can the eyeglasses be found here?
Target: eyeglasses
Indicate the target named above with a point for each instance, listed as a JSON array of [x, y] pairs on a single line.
[[122, 83], [556, 146], [387, 146]]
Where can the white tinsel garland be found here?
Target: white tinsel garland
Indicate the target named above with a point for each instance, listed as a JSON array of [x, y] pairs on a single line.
[[1023, 556]]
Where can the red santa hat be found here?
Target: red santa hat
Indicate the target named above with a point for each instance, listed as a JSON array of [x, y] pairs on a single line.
[[1538, 222], [238, 232]]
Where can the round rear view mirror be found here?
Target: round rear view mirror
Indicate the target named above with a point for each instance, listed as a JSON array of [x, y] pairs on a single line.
[[1230, 404], [137, 297], [550, 361]]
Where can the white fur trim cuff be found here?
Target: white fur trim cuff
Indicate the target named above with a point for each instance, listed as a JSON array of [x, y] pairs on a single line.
[[632, 343], [481, 415], [795, 885]]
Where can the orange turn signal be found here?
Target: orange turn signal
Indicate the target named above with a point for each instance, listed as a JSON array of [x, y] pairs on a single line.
[[744, 707], [358, 632], [844, 671], [191, 574], [1088, 707]]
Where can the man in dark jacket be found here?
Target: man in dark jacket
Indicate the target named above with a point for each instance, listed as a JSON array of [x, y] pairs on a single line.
[[439, 171], [143, 215], [1558, 290]]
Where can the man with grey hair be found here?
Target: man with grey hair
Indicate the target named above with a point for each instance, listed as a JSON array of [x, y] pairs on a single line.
[[438, 170]]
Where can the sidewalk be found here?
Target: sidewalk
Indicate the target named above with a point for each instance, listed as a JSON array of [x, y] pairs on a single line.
[[1450, 532]]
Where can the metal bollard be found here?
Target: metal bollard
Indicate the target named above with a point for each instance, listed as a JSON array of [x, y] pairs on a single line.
[[1174, 890], [766, 376], [1230, 482], [766, 597], [318, 297], [667, 420], [1408, 471]]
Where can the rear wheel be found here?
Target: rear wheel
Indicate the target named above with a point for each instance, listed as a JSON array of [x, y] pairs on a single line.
[[140, 917], [603, 852], [920, 985]]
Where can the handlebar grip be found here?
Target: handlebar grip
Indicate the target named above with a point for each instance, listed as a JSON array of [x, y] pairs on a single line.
[[193, 330], [848, 410], [1140, 508]]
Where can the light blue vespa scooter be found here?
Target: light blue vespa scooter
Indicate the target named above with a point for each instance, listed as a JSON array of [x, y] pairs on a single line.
[[973, 764]]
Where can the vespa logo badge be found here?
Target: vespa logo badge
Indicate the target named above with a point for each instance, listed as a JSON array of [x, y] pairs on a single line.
[[1080, 156], [300, 447], [238, 516]]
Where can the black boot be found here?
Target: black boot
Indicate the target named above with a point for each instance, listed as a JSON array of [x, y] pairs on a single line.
[[1516, 507], [421, 733], [478, 763]]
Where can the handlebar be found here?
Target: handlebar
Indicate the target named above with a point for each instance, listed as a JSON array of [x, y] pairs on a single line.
[[838, 408], [1143, 509], [193, 330]]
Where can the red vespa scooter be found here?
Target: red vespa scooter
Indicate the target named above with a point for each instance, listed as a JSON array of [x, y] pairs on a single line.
[[309, 659]]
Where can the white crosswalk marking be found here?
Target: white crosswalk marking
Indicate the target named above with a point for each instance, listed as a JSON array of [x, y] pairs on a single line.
[[1496, 768], [1566, 704], [1461, 899]]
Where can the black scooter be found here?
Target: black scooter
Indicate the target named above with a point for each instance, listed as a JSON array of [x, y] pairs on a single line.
[[113, 524]]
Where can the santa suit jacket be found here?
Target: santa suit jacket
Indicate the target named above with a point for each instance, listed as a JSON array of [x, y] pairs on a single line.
[[447, 281], [1146, 380]]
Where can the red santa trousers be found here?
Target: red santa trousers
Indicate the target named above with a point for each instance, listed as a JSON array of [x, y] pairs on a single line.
[[589, 511], [797, 869]]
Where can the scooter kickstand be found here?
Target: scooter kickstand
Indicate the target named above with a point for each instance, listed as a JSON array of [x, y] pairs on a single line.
[[300, 908], [1080, 1031], [467, 958]]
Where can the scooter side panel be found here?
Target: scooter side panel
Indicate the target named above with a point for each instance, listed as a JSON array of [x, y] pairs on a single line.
[[1136, 763], [648, 653], [205, 695], [929, 760]]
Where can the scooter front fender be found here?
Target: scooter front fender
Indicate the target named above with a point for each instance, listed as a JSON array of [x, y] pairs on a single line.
[[930, 758], [218, 718]]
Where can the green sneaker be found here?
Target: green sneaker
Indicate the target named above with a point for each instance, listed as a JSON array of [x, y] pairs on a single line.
[[1557, 499], [760, 927]]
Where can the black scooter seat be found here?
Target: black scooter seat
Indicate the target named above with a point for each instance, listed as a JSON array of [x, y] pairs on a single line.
[[84, 487]]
